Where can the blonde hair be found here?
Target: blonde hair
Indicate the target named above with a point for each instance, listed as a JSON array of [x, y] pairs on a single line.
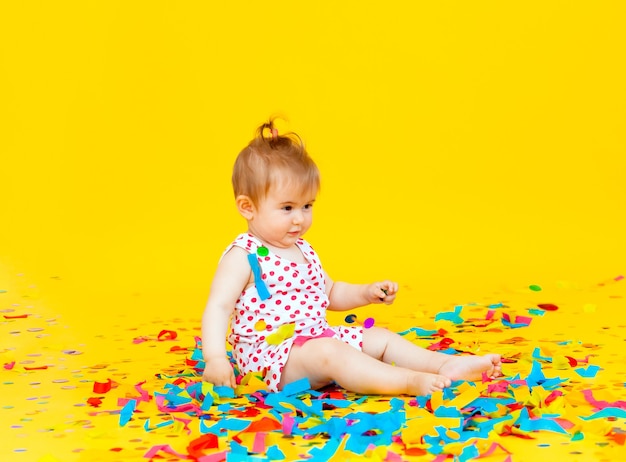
[[268, 158]]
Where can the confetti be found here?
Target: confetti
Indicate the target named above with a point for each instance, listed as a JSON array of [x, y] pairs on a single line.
[[284, 332], [368, 323], [552, 387], [548, 306]]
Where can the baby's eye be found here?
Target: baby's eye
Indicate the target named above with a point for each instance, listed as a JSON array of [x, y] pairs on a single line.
[[308, 206], [288, 208]]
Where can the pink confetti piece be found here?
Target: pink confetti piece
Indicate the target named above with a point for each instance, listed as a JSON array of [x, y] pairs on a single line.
[[9, 366], [492, 449], [166, 448], [368, 323], [219, 457], [288, 424], [259, 443], [588, 394], [143, 394]]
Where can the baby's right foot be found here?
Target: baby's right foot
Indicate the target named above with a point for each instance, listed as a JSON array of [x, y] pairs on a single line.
[[424, 383]]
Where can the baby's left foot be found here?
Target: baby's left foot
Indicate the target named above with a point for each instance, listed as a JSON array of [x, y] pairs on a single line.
[[472, 367]]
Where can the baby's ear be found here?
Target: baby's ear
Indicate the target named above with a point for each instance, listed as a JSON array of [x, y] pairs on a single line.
[[245, 206]]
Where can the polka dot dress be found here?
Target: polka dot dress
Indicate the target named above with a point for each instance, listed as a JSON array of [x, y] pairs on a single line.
[[297, 296]]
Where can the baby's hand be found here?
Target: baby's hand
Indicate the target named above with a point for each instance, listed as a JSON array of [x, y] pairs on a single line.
[[219, 372], [382, 292]]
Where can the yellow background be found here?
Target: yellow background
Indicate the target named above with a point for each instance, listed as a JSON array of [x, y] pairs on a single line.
[[467, 149], [462, 144]]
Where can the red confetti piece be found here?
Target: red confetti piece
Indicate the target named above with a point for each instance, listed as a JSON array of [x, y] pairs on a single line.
[[95, 402], [37, 368], [443, 344], [619, 438], [265, 424], [100, 387], [250, 412], [166, 335], [572, 361], [191, 362], [552, 396], [197, 447], [19, 316], [178, 348], [548, 306]]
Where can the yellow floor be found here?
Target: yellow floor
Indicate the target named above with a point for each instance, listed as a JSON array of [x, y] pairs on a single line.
[[57, 342]]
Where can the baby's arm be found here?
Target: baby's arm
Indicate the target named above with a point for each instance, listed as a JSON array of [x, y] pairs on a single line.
[[231, 277], [346, 296]]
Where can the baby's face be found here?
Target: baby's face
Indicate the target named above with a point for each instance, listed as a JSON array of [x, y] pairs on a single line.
[[284, 215]]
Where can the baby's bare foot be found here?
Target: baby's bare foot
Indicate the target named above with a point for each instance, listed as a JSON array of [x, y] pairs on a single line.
[[424, 383], [472, 367]]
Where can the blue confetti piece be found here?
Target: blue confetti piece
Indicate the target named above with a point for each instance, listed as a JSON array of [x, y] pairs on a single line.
[[536, 376], [452, 316], [496, 305], [537, 355], [489, 405], [419, 332], [274, 453], [607, 412], [541, 424], [236, 448], [127, 412], [224, 392], [224, 424], [588, 372], [396, 404], [275, 400], [261, 288], [225, 407], [485, 427], [443, 411], [324, 453], [469, 452], [294, 388], [338, 403], [207, 402]]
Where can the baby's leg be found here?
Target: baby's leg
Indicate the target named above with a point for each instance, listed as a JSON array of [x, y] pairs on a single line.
[[392, 348], [324, 360]]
